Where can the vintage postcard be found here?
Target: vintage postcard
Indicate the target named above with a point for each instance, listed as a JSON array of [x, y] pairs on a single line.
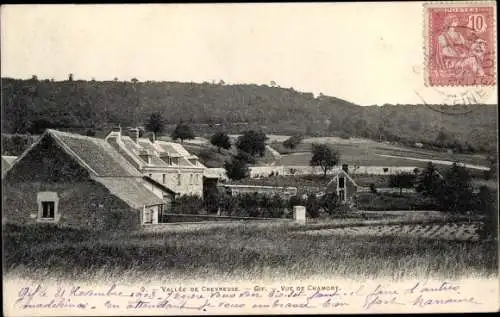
[[271, 158]]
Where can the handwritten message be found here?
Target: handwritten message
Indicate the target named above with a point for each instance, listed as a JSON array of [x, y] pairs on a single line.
[[258, 298]]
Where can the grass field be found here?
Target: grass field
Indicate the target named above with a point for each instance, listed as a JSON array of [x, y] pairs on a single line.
[[237, 251], [367, 153]]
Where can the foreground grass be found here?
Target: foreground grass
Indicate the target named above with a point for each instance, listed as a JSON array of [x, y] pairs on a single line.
[[241, 251]]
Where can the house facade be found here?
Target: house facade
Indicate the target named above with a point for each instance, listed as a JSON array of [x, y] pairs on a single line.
[[79, 181], [167, 163], [344, 186]]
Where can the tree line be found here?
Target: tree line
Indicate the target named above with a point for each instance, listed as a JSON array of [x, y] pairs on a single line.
[[31, 106]]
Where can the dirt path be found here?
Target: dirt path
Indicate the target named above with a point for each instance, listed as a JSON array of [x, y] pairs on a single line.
[[479, 167]]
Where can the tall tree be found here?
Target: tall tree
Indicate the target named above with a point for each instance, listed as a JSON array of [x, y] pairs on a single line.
[[221, 140], [252, 142], [155, 123], [429, 181], [325, 157], [182, 131], [236, 169], [456, 195]]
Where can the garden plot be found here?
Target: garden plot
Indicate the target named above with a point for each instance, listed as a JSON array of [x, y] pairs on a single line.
[[450, 231]]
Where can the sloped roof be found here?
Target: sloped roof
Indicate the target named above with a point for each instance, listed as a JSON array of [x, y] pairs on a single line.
[[130, 191], [7, 162], [157, 184], [339, 172], [96, 154], [142, 144], [168, 148], [105, 165], [179, 149]]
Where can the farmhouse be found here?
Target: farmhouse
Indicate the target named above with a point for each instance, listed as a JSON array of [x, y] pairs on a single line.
[[80, 181], [167, 163]]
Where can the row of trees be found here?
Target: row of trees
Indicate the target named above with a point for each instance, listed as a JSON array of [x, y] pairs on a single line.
[[452, 189], [94, 104]]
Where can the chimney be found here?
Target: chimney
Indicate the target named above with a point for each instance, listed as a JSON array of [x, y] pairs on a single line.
[[152, 137], [116, 132], [134, 134]]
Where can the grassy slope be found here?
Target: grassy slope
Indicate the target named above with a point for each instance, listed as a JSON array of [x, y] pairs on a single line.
[[211, 157], [366, 153], [237, 251]]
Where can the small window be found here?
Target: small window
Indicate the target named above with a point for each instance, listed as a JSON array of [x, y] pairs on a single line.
[[164, 178], [341, 182], [191, 179], [179, 179], [48, 204], [342, 195], [48, 209]]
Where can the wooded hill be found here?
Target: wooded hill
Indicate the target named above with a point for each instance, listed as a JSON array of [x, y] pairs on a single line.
[[33, 105]]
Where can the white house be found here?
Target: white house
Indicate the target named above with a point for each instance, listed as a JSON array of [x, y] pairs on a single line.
[[166, 163]]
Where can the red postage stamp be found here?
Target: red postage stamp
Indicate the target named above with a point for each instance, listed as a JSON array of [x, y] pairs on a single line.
[[460, 44]]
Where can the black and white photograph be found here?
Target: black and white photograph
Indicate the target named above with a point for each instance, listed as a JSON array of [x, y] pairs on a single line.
[[249, 158]]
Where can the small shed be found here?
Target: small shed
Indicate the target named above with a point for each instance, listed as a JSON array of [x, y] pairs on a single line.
[[343, 185]]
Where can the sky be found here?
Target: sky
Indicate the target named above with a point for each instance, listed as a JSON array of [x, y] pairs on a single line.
[[366, 53]]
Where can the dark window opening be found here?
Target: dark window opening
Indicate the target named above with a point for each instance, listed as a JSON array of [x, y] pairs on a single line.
[[48, 208], [341, 182], [341, 195]]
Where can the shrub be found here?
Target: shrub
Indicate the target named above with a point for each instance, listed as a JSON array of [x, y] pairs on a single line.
[[211, 201], [296, 201], [227, 204], [486, 204], [187, 204], [90, 132], [236, 169], [329, 202], [292, 142], [312, 206]]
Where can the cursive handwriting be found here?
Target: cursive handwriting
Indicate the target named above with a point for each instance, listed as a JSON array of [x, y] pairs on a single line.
[[421, 294]]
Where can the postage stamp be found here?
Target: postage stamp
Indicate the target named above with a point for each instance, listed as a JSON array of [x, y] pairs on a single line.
[[460, 44]]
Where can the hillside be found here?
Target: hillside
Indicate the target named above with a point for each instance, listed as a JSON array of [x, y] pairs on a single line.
[[32, 105]]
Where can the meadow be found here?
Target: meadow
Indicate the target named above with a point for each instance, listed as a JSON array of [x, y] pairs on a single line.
[[248, 251], [370, 153]]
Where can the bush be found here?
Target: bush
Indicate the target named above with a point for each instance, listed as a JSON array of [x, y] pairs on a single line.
[[236, 169], [485, 203], [227, 204], [292, 142], [90, 132], [312, 206], [329, 202], [187, 204], [211, 201]]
